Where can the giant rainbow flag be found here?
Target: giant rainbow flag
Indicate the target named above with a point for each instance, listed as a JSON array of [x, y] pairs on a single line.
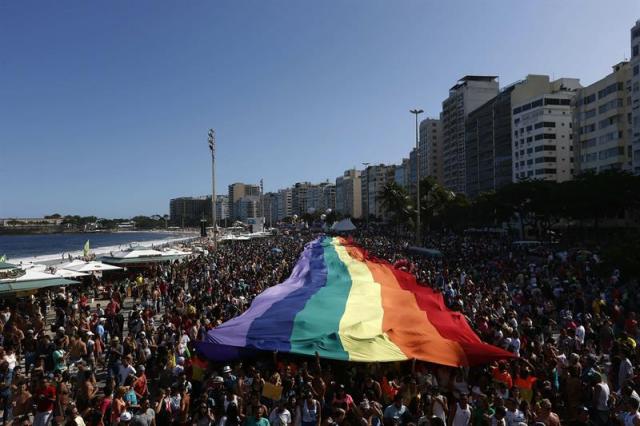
[[345, 305]]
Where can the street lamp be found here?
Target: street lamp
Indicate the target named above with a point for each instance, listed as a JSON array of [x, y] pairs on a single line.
[[366, 217], [417, 112], [212, 147]]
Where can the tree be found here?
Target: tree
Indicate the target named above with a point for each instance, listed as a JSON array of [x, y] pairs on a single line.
[[396, 201]]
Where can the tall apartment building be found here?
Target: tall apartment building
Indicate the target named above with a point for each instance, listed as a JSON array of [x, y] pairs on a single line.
[[374, 179], [270, 206], [602, 123], [299, 198], [349, 194], [189, 211], [321, 197], [635, 97], [488, 145], [466, 95], [542, 131], [431, 149], [402, 173], [284, 205], [247, 207], [222, 207], [236, 192]]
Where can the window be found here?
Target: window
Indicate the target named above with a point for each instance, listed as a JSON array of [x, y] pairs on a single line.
[[589, 114], [538, 137], [636, 69], [550, 171], [548, 147], [551, 101], [536, 104], [529, 139], [549, 135], [529, 150], [589, 99], [529, 128], [635, 50]]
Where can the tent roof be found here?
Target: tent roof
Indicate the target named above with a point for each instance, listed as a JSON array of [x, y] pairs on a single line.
[[7, 288], [5, 265], [82, 266], [344, 225], [138, 260]]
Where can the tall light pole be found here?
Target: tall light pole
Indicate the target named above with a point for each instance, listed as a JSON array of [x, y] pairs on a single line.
[[212, 147], [366, 217], [417, 112]]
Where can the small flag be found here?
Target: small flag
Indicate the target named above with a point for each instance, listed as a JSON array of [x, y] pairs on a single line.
[[85, 250], [3, 258]]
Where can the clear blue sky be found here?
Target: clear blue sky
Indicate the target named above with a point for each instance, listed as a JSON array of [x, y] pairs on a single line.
[[105, 106]]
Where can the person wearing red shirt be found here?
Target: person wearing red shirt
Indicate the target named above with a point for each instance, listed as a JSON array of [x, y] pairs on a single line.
[[501, 375], [45, 397], [140, 385]]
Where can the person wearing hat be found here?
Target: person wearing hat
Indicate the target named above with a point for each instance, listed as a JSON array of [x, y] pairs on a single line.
[[125, 417], [230, 380]]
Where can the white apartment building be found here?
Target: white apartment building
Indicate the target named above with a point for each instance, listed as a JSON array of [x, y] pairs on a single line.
[[465, 96], [635, 97], [374, 179], [602, 123], [349, 194], [284, 205], [542, 133]]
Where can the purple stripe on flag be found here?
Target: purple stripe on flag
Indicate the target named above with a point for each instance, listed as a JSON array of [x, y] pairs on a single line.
[[234, 332]]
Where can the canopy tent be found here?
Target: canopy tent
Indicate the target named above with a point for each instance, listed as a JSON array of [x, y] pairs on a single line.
[[30, 280], [345, 225], [5, 265], [138, 255], [343, 304], [175, 252], [79, 265], [67, 273]]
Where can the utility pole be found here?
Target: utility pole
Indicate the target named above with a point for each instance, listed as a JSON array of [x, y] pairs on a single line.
[[212, 147], [417, 112]]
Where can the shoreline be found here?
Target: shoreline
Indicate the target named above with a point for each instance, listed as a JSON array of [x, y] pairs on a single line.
[[56, 258]]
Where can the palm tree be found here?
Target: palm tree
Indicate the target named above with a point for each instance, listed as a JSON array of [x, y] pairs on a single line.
[[396, 201]]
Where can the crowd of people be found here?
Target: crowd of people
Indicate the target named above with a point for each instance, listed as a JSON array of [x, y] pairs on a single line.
[[133, 357]]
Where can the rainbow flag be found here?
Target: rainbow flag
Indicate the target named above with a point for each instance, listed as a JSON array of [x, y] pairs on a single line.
[[345, 305]]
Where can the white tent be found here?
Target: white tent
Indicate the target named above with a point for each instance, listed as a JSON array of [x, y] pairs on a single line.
[[345, 225], [79, 265], [175, 252], [135, 252], [67, 273]]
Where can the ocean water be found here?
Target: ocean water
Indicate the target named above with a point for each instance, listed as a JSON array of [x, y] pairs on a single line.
[[26, 246]]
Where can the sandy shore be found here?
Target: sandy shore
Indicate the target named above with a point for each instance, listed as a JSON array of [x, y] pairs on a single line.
[[56, 258]]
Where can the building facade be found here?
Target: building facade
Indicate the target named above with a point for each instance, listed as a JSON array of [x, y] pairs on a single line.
[[542, 132], [349, 194], [283, 201], [469, 93], [431, 149], [189, 211], [635, 98], [236, 192], [247, 207], [222, 208], [402, 173], [602, 123], [299, 198], [374, 179], [488, 145]]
